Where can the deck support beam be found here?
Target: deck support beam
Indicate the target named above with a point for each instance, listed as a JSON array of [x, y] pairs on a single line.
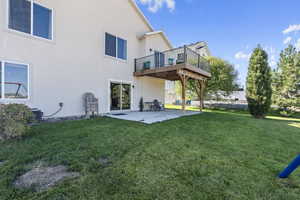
[[200, 86], [201, 91], [183, 73], [183, 80]]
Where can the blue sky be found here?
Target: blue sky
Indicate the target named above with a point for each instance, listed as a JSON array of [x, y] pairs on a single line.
[[232, 28]]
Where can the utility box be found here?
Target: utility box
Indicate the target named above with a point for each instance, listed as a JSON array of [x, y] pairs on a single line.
[[91, 105], [38, 114]]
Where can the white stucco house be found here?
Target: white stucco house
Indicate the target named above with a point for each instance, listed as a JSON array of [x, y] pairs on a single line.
[[54, 51]]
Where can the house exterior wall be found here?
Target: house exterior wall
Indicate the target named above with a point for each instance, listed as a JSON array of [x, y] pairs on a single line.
[[156, 43], [74, 63]]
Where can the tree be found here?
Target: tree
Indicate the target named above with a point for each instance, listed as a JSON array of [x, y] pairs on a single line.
[[259, 90], [286, 81], [223, 78]]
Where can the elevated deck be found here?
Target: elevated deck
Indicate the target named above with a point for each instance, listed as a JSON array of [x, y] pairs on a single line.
[[176, 64], [169, 65]]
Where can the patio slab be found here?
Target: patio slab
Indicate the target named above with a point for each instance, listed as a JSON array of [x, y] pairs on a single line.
[[152, 117]]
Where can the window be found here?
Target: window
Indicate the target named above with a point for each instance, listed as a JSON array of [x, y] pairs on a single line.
[[122, 49], [14, 81], [115, 46], [42, 22], [110, 45], [20, 15], [32, 18]]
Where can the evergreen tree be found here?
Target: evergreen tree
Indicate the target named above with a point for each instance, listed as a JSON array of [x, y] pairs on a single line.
[[286, 81], [259, 90]]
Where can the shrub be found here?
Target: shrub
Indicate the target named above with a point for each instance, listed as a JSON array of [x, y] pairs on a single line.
[[14, 120]]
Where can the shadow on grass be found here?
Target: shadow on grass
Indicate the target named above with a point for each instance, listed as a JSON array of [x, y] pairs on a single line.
[[273, 115]]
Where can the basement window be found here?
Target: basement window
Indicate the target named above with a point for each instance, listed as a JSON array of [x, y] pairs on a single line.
[[14, 81]]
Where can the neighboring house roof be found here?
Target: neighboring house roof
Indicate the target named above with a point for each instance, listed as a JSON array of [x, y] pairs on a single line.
[[152, 32], [195, 44], [200, 44]]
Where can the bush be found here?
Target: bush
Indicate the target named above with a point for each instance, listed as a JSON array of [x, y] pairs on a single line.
[[14, 120]]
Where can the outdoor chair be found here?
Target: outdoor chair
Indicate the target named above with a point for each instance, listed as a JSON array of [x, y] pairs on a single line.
[[157, 106], [180, 58]]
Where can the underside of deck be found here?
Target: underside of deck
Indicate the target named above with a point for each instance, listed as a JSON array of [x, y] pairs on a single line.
[[174, 72], [181, 72]]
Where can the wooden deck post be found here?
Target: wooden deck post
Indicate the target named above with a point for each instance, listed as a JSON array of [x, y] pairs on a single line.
[[201, 85], [184, 76], [199, 92], [183, 80]]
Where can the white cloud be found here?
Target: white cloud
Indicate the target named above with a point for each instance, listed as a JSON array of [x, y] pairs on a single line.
[[272, 61], [298, 44], [270, 50], [242, 55], [292, 28], [272, 54], [155, 5], [287, 40]]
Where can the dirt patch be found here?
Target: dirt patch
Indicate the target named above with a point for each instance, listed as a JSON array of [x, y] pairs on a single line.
[[42, 178]]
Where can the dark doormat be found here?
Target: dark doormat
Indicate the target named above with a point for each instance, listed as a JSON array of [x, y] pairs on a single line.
[[119, 114]]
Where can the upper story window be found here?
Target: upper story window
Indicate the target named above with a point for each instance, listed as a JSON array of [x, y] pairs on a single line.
[[13, 81], [29, 17], [115, 46]]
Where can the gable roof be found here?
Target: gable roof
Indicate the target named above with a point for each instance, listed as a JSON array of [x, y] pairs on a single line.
[[152, 32], [159, 33]]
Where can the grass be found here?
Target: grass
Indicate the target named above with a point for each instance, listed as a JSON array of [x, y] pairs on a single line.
[[215, 155]]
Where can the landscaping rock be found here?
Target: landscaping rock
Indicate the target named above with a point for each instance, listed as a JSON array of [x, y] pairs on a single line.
[[43, 178], [105, 161]]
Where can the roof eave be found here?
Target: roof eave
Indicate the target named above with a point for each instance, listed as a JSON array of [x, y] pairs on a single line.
[[141, 14]]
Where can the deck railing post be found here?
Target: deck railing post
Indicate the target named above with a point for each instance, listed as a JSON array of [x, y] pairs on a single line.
[[185, 54], [135, 67]]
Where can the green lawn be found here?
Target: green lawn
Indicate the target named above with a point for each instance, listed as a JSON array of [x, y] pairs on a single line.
[[214, 155]]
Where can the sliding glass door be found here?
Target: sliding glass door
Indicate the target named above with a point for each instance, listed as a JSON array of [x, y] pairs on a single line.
[[126, 97], [115, 93], [120, 96]]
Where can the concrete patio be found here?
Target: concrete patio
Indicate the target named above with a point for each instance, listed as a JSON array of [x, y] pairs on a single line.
[[152, 117]]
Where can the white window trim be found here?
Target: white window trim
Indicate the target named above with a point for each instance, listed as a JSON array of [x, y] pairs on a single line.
[[2, 98], [115, 58], [109, 95], [31, 22]]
